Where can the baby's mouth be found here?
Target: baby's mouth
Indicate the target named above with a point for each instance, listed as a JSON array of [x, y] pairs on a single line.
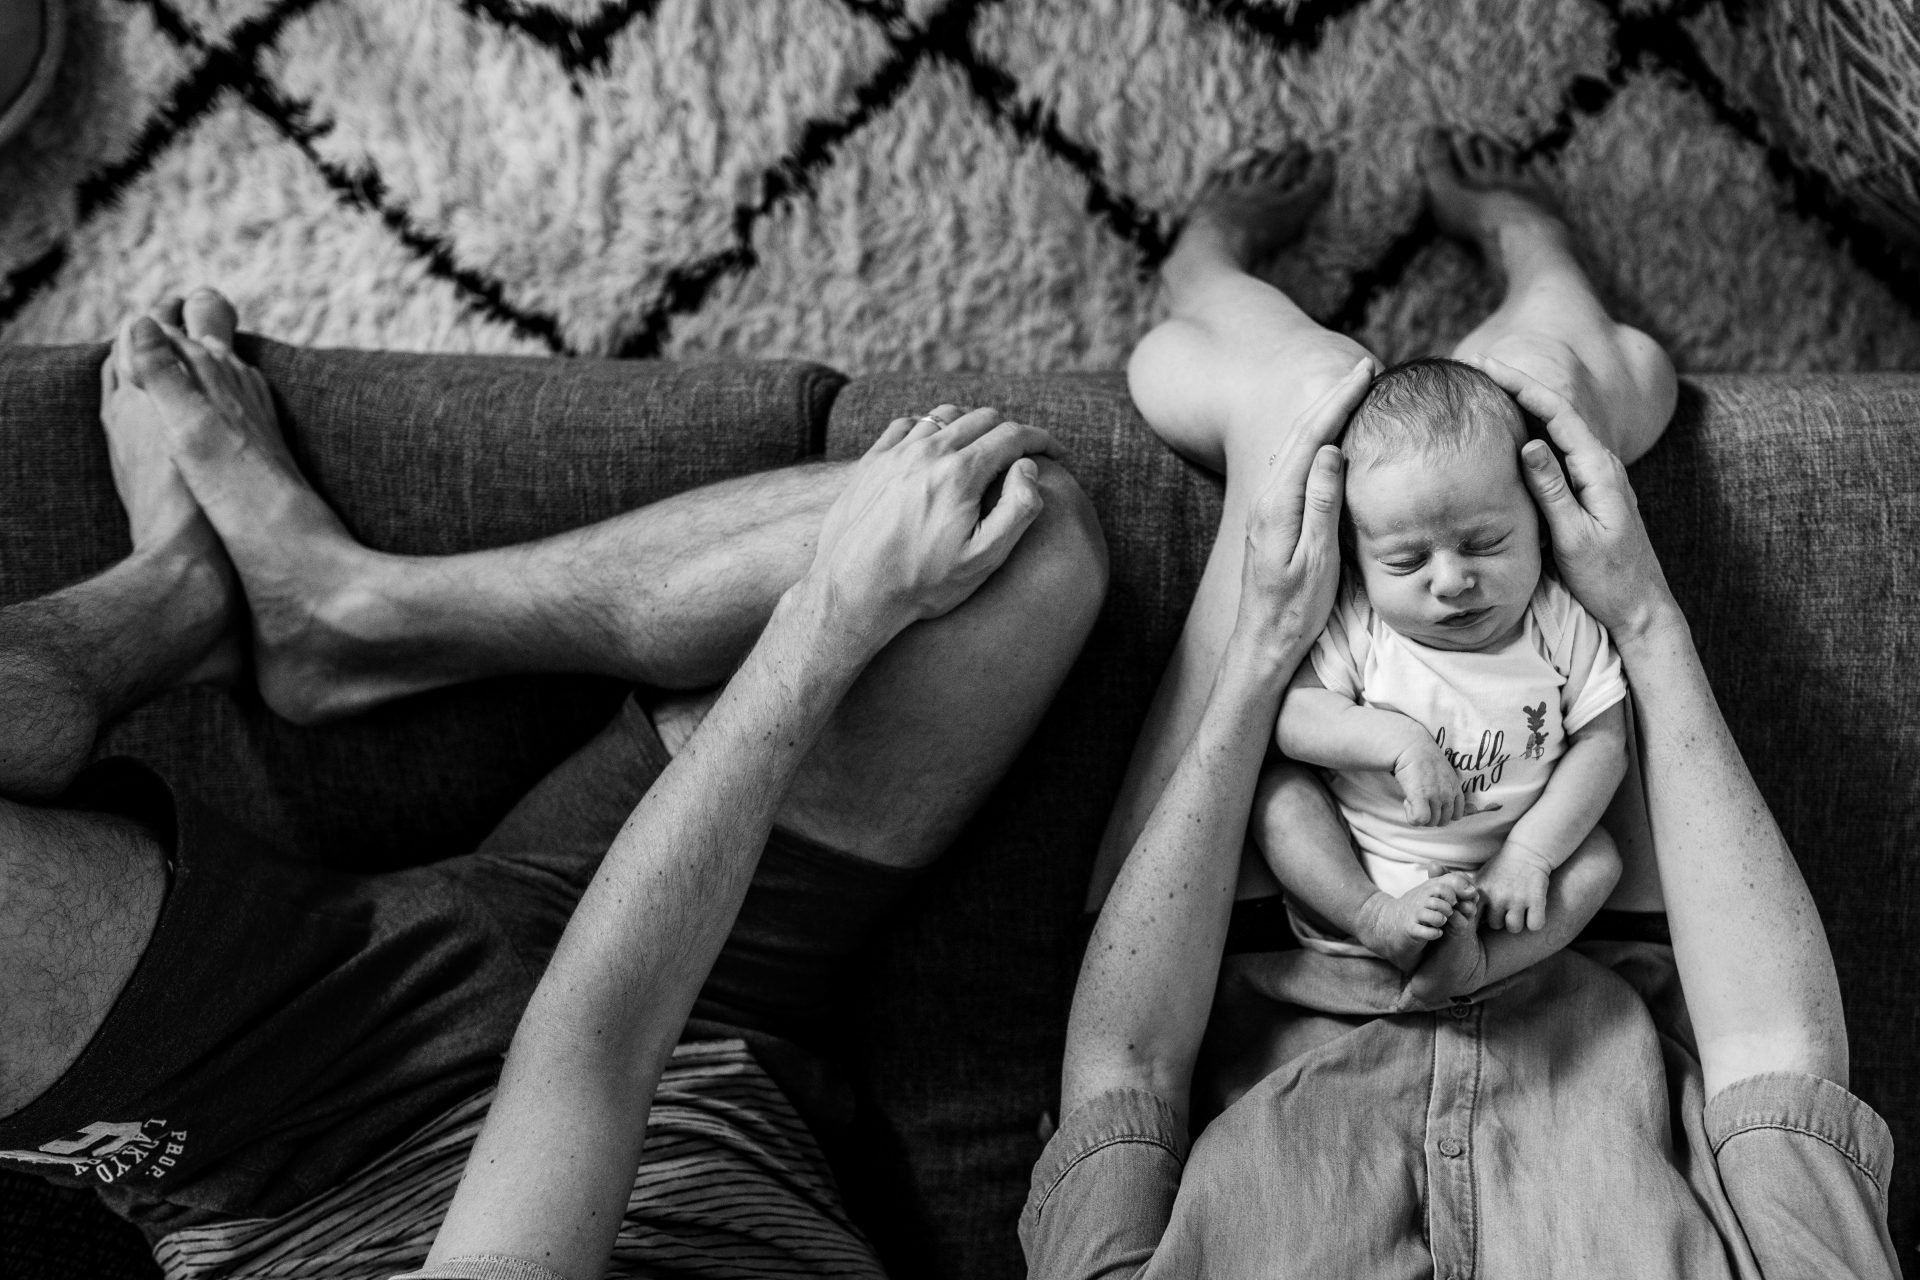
[[1465, 618]]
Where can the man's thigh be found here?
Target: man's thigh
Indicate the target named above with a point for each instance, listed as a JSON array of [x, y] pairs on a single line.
[[283, 1024], [810, 906]]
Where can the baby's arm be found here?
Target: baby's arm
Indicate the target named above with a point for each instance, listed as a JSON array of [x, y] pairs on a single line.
[[1513, 883], [1319, 726]]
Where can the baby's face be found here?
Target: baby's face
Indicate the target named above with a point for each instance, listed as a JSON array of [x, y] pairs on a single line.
[[1448, 547]]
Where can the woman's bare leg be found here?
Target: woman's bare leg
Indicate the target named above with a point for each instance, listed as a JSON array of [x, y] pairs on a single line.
[[1550, 324], [1221, 380]]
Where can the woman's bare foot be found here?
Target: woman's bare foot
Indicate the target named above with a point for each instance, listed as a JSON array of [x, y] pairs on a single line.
[[167, 528], [1247, 214], [1456, 965], [1399, 929], [311, 589], [1479, 190]]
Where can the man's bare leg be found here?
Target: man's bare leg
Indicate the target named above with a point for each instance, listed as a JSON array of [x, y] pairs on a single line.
[[668, 596], [1221, 379], [939, 716], [80, 892]]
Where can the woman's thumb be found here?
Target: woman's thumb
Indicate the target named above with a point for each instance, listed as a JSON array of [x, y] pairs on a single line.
[[1548, 482]]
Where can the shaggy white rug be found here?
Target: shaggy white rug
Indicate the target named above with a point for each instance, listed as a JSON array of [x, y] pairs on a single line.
[[884, 184]]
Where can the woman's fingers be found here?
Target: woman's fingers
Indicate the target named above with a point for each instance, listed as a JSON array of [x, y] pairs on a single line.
[[1563, 422], [1322, 421], [1550, 489]]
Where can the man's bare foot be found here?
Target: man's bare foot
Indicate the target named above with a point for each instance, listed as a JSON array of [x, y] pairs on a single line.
[[1456, 965], [1399, 929], [308, 584], [1479, 190], [1253, 210], [167, 528]]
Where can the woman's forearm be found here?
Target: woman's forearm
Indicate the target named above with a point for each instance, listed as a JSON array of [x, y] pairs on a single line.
[[1753, 957], [1146, 984]]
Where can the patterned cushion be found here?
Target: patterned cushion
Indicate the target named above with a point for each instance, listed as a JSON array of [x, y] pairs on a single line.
[[1839, 86]]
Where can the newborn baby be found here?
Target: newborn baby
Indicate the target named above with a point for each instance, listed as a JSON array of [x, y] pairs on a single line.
[[1467, 711]]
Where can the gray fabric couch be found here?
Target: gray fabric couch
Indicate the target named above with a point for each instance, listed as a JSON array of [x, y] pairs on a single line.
[[1787, 510]]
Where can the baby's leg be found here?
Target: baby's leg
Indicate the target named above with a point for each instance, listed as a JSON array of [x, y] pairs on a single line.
[[1305, 843], [1467, 958], [1549, 324], [1221, 380]]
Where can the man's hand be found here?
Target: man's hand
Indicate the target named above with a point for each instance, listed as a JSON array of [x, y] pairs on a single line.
[[1431, 784], [1599, 541], [1513, 887], [906, 540]]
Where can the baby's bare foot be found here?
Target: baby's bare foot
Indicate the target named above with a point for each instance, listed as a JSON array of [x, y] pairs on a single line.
[[1477, 187], [165, 523], [1456, 965], [308, 584], [1399, 929], [1251, 211]]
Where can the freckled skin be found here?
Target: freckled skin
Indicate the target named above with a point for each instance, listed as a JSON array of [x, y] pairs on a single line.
[[1447, 546]]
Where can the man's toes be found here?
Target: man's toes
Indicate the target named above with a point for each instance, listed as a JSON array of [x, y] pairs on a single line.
[[152, 363], [208, 314]]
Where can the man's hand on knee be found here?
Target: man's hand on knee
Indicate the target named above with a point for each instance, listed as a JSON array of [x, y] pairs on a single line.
[[908, 539]]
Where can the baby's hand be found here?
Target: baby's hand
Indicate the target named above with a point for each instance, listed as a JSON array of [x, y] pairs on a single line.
[[1513, 885], [1431, 785]]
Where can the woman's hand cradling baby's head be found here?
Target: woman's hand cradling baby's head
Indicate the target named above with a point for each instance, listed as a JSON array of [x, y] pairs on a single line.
[[1599, 541], [1293, 556]]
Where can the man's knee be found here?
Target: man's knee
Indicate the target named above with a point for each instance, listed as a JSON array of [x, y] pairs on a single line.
[[1063, 570]]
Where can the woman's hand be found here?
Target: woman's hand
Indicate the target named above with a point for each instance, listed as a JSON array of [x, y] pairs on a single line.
[[1293, 552], [906, 539], [1599, 541]]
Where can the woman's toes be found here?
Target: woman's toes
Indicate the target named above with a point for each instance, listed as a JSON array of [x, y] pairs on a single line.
[[209, 315]]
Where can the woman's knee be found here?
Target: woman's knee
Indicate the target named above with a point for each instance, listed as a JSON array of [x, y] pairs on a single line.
[[1623, 387]]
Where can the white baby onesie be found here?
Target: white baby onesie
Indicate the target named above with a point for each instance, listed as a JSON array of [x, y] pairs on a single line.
[[1502, 716]]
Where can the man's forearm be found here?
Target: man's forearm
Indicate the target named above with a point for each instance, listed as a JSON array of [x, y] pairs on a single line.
[[569, 1117], [1753, 957]]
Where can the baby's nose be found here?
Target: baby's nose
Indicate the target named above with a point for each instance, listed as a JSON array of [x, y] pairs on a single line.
[[1450, 579]]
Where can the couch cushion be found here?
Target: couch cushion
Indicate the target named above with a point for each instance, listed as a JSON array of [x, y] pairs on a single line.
[[1785, 509], [423, 454]]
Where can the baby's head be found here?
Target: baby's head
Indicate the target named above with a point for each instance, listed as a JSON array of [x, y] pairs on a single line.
[[1438, 523]]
